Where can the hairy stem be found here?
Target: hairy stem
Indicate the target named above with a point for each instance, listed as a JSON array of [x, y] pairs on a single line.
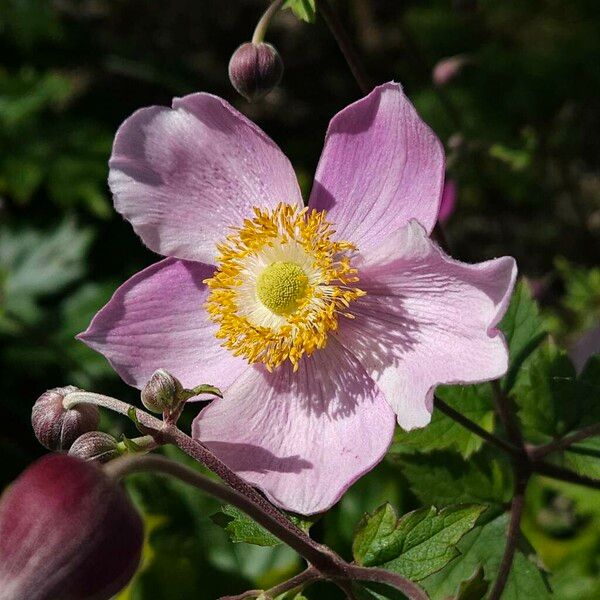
[[512, 537], [263, 23], [408, 588], [540, 452], [342, 38], [507, 416], [299, 581], [127, 465], [490, 438]]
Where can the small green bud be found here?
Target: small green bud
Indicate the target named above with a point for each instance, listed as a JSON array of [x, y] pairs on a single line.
[[162, 392]]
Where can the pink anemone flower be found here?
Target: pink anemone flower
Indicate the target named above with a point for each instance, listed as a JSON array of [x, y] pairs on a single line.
[[322, 325]]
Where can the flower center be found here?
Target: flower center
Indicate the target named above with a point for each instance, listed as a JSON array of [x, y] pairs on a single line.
[[281, 286]]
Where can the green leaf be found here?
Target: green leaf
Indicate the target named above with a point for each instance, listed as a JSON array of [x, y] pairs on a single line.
[[523, 328], [204, 388], [130, 445], [304, 523], [552, 400], [583, 457], [132, 414], [241, 528], [582, 294], [473, 401], [38, 263], [483, 547], [305, 10], [443, 478], [416, 544], [474, 588]]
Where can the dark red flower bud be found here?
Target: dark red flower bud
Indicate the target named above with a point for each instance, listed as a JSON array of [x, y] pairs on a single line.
[[255, 69], [95, 446], [68, 532], [57, 428]]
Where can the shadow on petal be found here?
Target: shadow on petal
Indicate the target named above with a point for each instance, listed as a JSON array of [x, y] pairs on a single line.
[[248, 457]]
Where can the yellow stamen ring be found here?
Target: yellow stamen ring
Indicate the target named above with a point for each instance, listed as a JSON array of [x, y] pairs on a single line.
[[280, 285]]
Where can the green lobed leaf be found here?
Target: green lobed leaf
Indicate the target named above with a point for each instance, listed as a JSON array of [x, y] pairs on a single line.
[[483, 547], [523, 329], [552, 399], [241, 528], [473, 401], [416, 544], [305, 10], [443, 478]]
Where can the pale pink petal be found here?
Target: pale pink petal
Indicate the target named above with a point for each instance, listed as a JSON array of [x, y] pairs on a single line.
[[156, 320], [304, 437], [427, 319], [381, 166], [184, 176]]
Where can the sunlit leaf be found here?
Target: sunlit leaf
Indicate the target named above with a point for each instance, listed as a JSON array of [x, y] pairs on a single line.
[[416, 544]]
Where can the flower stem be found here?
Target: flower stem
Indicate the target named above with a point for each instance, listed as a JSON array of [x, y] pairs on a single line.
[[507, 416], [408, 588], [556, 472], [263, 23], [298, 581], [512, 537], [321, 557], [127, 465], [540, 452], [490, 438], [343, 41], [153, 463]]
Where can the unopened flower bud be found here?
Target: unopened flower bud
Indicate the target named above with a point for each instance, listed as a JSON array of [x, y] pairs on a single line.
[[67, 531], [95, 446], [161, 392], [255, 69], [56, 427]]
